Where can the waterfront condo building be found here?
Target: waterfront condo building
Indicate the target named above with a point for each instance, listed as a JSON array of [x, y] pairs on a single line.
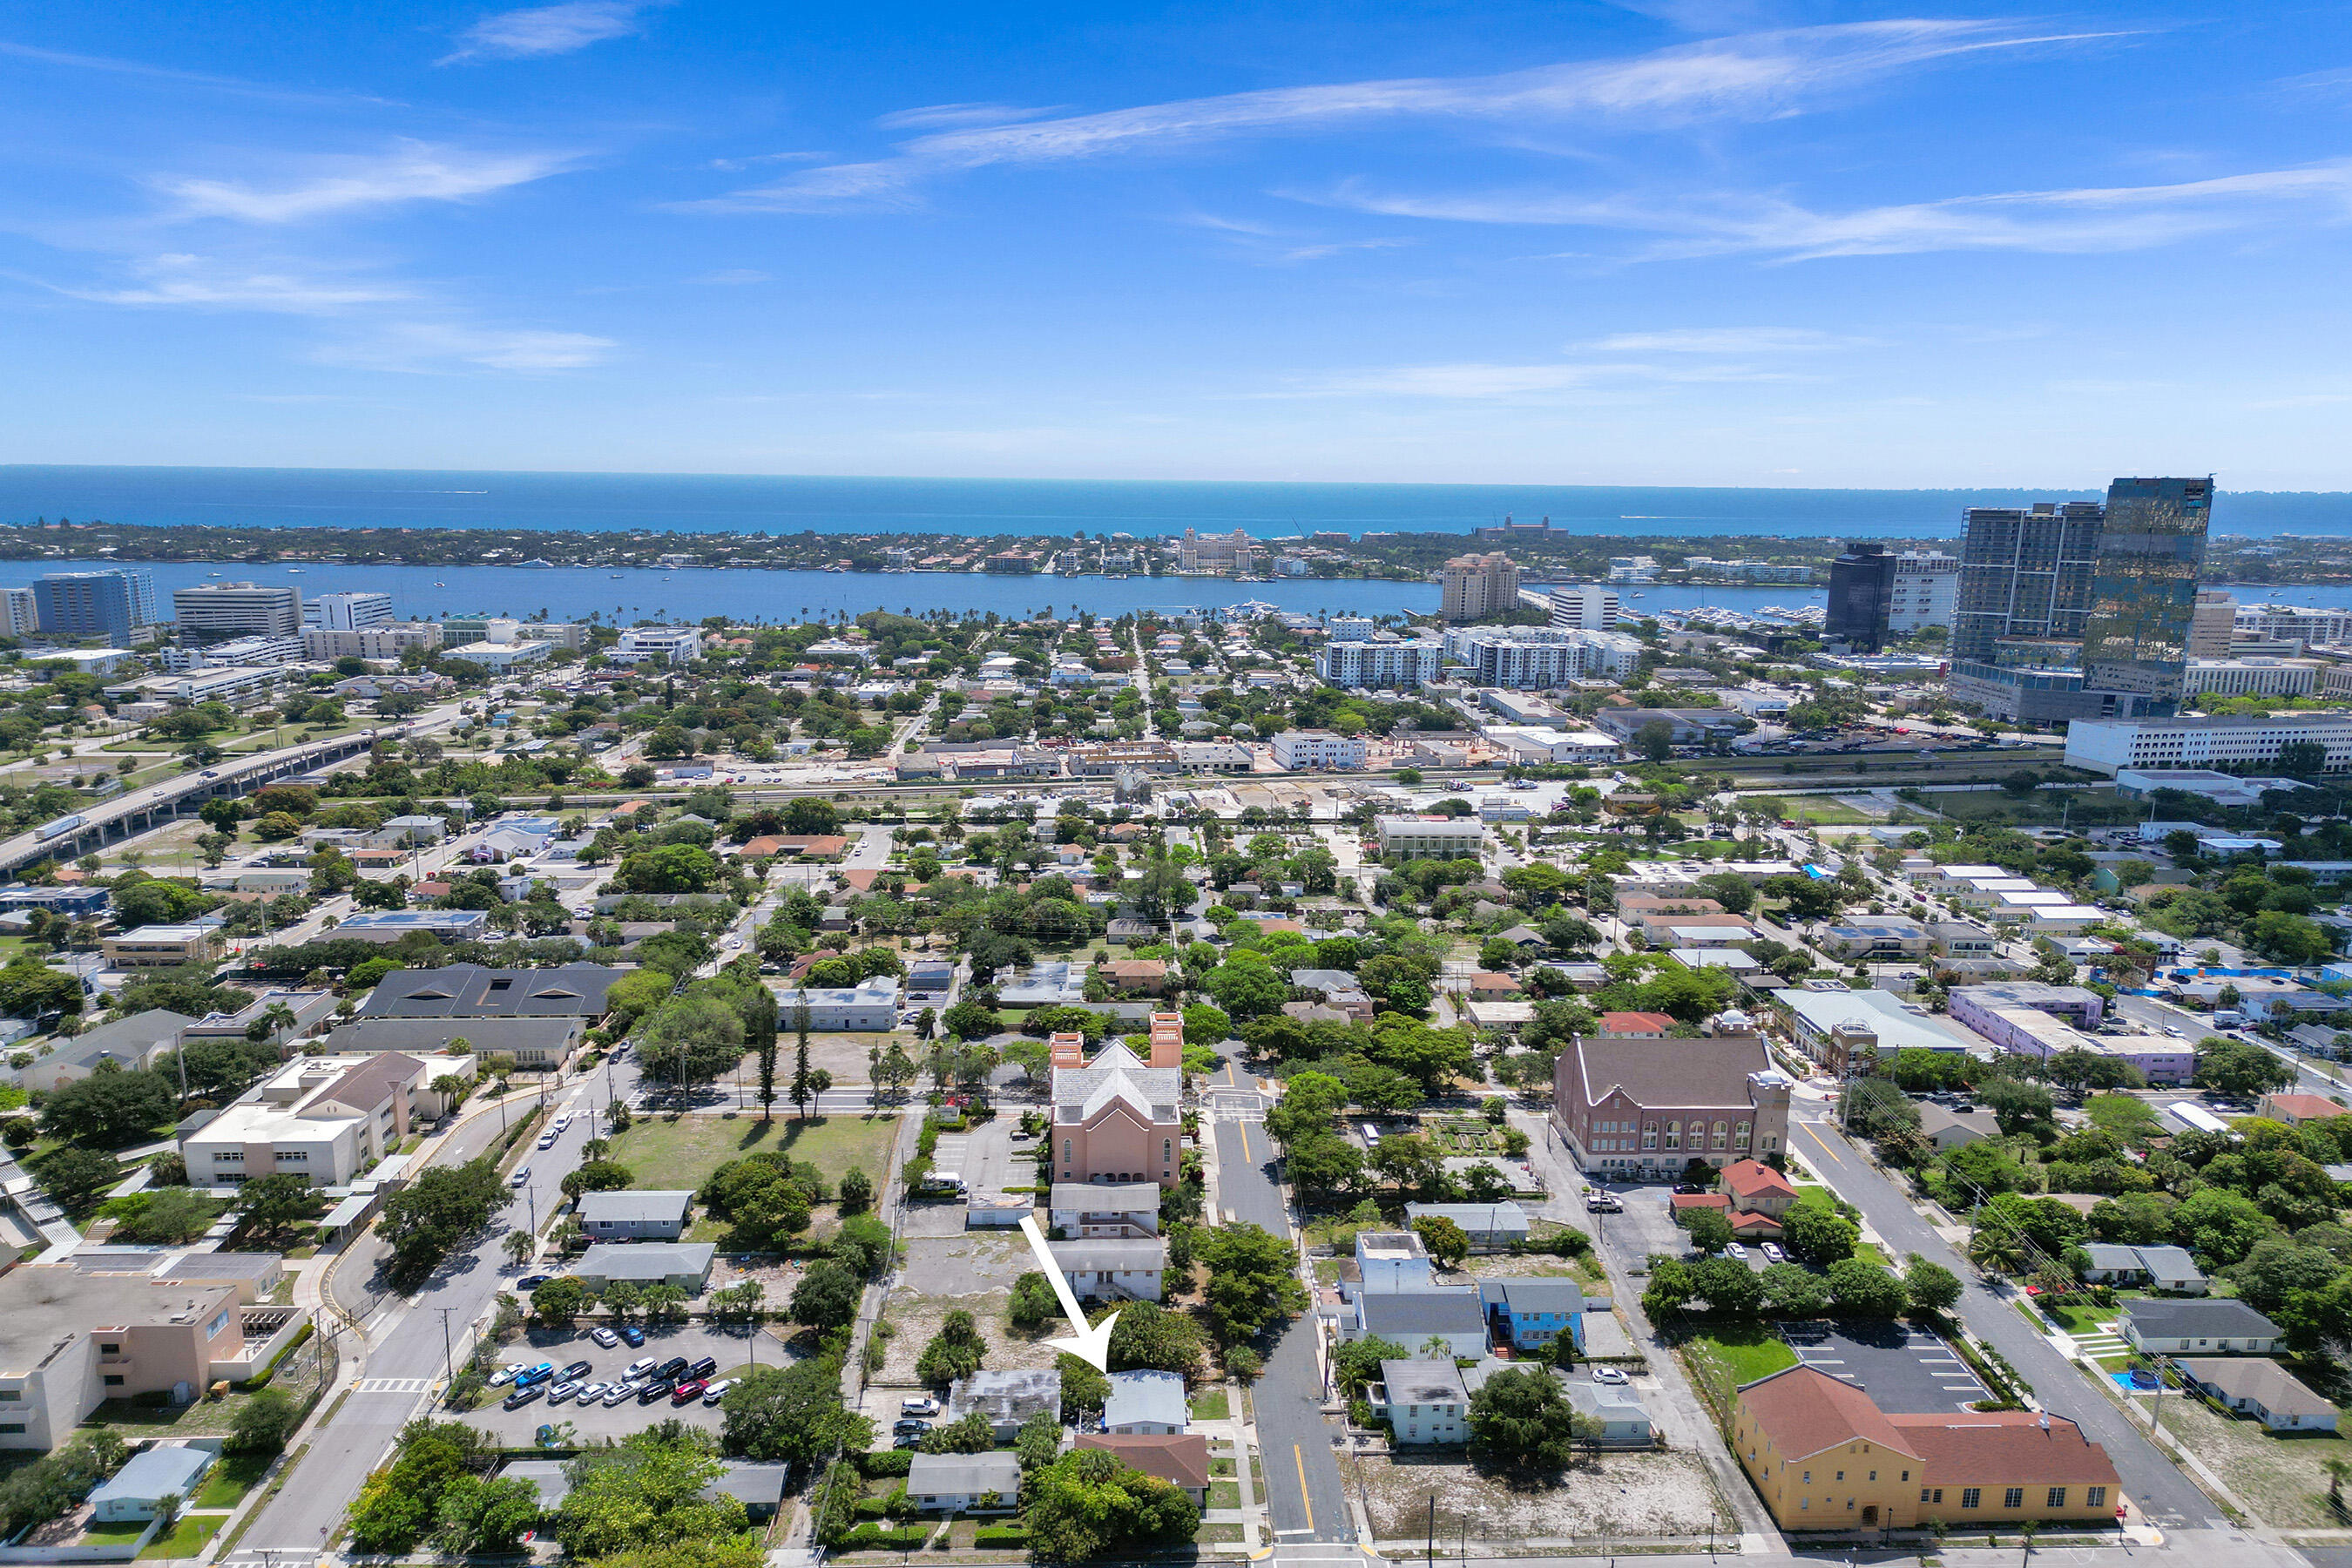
[[347, 611], [1379, 660], [220, 610], [1473, 587], [118, 605], [1584, 607], [1118, 1119], [1875, 593]]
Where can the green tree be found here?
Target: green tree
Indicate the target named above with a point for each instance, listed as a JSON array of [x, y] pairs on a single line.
[[790, 1413], [1931, 1286], [1090, 1503], [558, 1303], [263, 1423], [826, 1296], [954, 1353], [1520, 1420], [1710, 1231], [2234, 1067], [856, 1190], [648, 1493], [110, 1107], [1861, 1289], [1817, 1233], [1253, 1280], [1034, 1301], [1445, 1241]]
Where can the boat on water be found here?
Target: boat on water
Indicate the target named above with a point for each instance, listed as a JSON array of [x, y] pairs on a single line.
[[440, 584], [615, 576], [215, 573], [294, 571]]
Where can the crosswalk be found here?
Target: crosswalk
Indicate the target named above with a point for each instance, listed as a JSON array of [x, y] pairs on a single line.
[[392, 1385]]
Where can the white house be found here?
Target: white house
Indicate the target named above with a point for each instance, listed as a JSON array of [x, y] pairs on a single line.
[[1146, 1403], [2264, 1390], [957, 1483], [1112, 1269], [872, 1005], [1422, 1401], [2221, 1325], [1392, 1261]]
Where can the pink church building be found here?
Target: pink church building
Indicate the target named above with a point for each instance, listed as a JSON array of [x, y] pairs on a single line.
[[1118, 1117]]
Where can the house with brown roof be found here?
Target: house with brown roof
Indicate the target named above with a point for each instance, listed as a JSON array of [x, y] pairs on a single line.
[[1149, 975], [1182, 1461], [1631, 1110], [1637, 1025], [2294, 1110], [1824, 1456]]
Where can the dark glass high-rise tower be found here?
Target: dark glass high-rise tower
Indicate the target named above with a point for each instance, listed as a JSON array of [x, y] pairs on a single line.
[[2144, 593], [1862, 586], [2025, 572]]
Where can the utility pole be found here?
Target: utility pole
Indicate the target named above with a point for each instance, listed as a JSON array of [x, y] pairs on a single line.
[[449, 1356]]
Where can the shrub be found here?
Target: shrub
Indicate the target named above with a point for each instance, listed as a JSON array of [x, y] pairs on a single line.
[[1009, 1535]]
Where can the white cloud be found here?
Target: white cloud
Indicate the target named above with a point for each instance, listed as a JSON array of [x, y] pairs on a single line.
[[411, 172], [2083, 221], [200, 281], [429, 346], [550, 29], [1760, 75], [1720, 341], [939, 115], [1493, 382]]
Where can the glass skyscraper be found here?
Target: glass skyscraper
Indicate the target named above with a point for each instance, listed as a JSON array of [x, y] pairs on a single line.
[[1862, 588], [2025, 572], [116, 604], [2144, 594]]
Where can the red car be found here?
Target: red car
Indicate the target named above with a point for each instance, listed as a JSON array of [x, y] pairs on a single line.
[[686, 1393]]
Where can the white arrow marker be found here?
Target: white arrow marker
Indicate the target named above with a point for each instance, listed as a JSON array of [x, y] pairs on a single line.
[[1089, 1345]]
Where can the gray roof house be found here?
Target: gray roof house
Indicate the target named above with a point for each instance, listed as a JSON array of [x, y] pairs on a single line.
[[131, 1043], [1489, 1226], [686, 1264], [1006, 1398], [1411, 1317], [2172, 1269], [759, 1487], [1950, 1130], [2264, 1390], [1146, 1403], [147, 1478], [955, 1483], [470, 990], [1624, 1419], [2223, 1326], [2111, 1261], [634, 1215]]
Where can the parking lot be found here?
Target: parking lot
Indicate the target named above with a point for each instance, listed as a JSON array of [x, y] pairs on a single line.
[[1907, 1371], [985, 1158], [733, 1346]]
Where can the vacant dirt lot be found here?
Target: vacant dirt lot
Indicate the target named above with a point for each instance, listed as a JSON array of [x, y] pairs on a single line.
[[974, 1272], [2282, 1480], [1617, 1495]]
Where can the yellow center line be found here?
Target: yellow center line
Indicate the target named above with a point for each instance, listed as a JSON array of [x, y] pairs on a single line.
[[1304, 1501], [1243, 1128], [1822, 1141]]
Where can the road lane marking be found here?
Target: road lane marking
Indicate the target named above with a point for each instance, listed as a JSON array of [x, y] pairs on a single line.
[[1303, 1500], [1243, 1127], [1821, 1141]]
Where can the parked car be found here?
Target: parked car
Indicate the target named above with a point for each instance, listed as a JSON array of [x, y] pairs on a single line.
[[617, 1394], [917, 1426], [712, 1394], [1609, 1374], [638, 1369], [605, 1336], [673, 1369], [562, 1392], [532, 1281], [1735, 1251], [522, 1397], [905, 1440], [703, 1368], [542, 1372], [505, 1374], [632, 1336], [1772, 1253], [578, 1370], [522, 1175], [926, 1405], [590, 1393], [654, 1388], [689, 1390]]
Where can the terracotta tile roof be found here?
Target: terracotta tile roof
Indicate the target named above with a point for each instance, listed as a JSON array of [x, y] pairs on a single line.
[[2004, 1448], [1699, 1201], [2301, 1107], [863, 879], [1753, 1178], [1635, 1023], [1806, 1411], [1183, 1460]]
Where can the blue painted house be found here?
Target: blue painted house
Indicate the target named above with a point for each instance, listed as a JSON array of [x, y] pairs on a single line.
[[1529, 1314]]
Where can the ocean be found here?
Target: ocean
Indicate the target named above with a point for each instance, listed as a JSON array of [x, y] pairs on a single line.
[[727, 503]]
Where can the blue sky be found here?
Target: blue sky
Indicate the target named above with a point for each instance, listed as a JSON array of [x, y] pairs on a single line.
[[1661, 241]]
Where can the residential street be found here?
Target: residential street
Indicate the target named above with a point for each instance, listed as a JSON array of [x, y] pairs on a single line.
[[2165, 1496], [1304, 1494], [408, 1353]]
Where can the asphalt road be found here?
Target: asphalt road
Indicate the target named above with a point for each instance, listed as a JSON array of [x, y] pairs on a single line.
[[2165, 1496], [413, 1340], [1304, 1495]]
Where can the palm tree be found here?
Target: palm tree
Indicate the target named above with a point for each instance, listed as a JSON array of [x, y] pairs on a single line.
[[280, 1018], [2339, 1471], [519, 1246]]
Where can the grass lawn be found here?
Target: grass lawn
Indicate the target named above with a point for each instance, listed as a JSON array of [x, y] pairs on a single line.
[[231, 1480], [2041, 807], [1748, 1352], [1225, 1494], [187, 1538], [1821, 813], [107, 1535], [671, 1155], [2077, 1320], [1212, 1406]]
